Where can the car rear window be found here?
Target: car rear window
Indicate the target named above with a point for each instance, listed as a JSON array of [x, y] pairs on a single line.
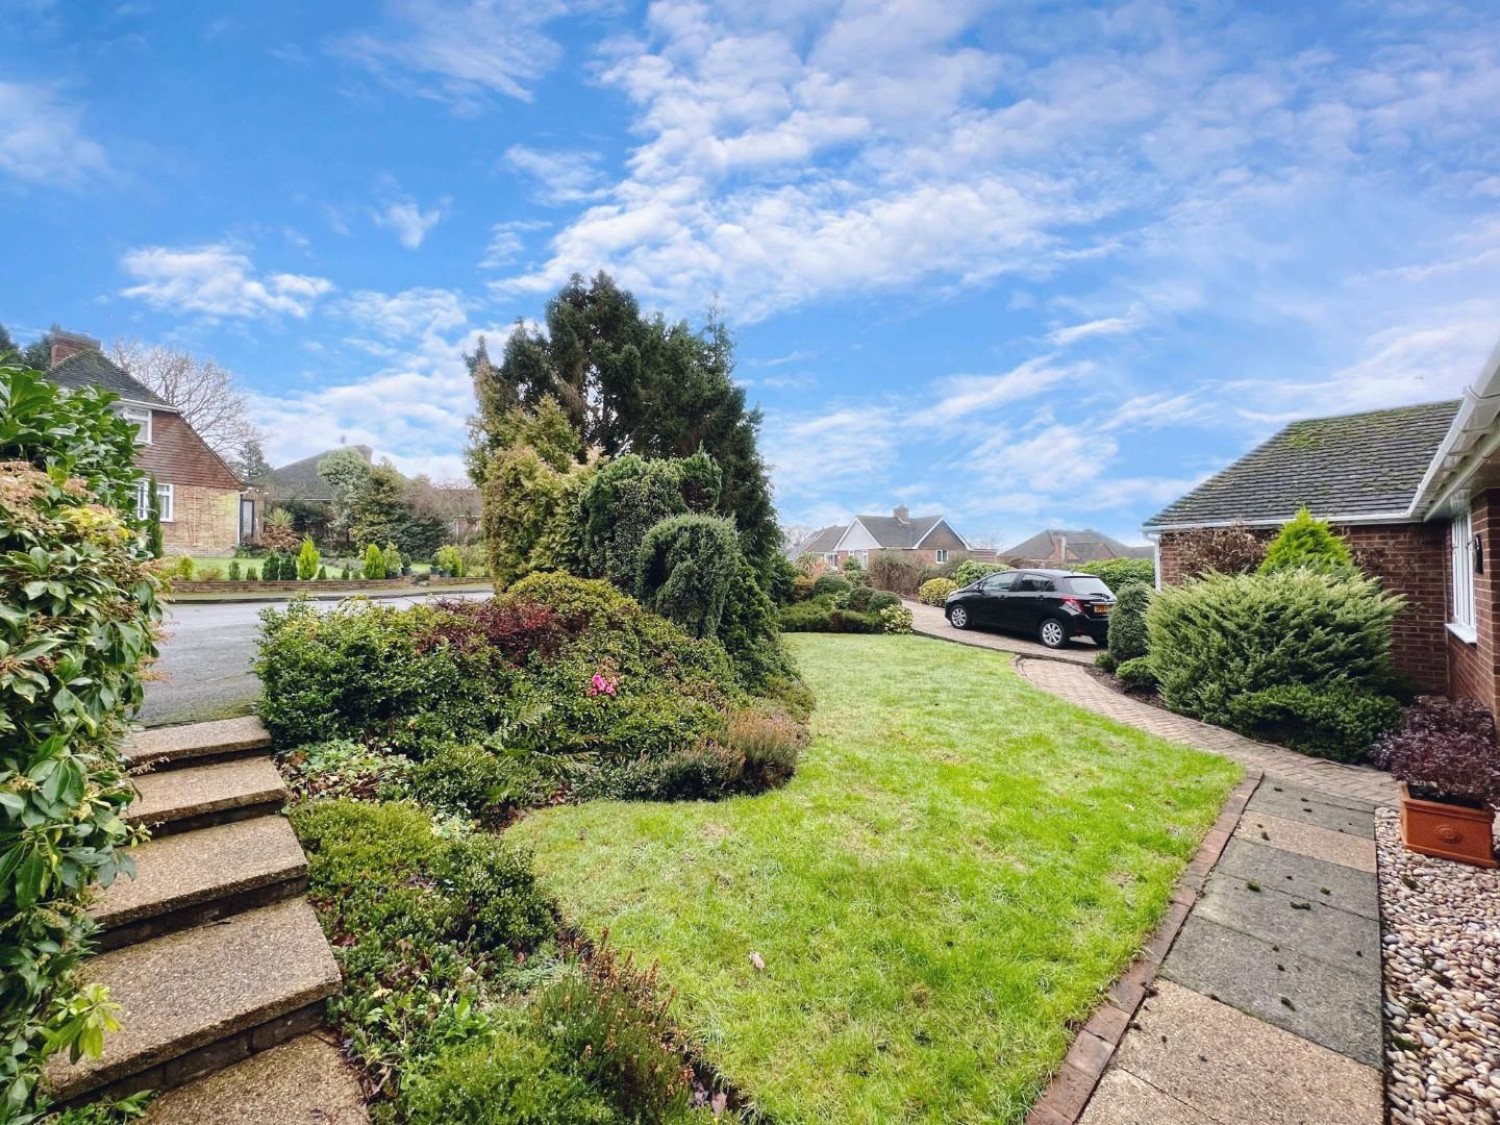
[[1087, 584]]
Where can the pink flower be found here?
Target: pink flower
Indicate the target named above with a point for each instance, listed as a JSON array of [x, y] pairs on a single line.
[[601, 685]]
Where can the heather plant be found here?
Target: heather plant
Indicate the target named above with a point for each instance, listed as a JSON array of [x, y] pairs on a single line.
[[1445, 750]]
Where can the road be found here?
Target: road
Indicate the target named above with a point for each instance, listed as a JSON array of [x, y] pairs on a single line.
[[205, 660]]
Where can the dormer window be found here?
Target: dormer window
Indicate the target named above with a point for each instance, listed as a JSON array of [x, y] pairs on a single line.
[[141, 418]]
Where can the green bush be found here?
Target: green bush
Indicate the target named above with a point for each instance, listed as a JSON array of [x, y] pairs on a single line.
[[1304, 541], [374, 562], [182, 567], [1225, 636], [476, 781], [1127, 622], [307, 560], [630, 495], [1106, 660], [935, 591], [75, 628], [322, 573], [685, 567], [235, 573], [1119, 573], [972, 570], [341, 768], [1337, 721], [830, 584], [821, 615], [450, 560], [894, 619], [393, 561], [883, 599], [1137, 674]]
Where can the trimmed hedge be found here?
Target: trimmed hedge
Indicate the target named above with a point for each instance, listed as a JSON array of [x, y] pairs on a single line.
[[1127, 622], [1119, 573], [935, 591], [1337, 721]]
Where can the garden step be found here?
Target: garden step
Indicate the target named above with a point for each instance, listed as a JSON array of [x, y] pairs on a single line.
[[301, 1082], [191, 878], [198, 1000], [167, 747], [195, 796]]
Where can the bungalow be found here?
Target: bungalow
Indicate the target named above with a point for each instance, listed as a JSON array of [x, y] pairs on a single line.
[[928, 540], [1060, 548], [1416, 492], [204, 506]]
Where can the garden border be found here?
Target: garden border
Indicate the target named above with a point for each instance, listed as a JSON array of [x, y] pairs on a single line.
[[1089, 1055]]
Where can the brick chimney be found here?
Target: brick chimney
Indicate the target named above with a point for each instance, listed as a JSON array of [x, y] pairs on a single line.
[[902, 513], [65, 344]]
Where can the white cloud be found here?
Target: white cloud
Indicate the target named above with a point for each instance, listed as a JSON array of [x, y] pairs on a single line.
[[1105, 326], [408, 220], [413, 313], [811, 456], [460, 53], [217, 279], [562, 177], [964, 396], [42, 138]]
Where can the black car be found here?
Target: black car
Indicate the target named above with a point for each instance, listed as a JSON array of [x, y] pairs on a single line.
[[1053, 606]]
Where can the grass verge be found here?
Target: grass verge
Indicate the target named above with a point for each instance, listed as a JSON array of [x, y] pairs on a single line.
[[960, 867]]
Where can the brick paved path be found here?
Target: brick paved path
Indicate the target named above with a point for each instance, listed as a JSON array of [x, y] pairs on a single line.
[[1080, 688]]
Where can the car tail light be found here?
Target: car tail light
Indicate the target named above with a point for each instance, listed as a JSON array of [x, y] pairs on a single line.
[[1074, 603]]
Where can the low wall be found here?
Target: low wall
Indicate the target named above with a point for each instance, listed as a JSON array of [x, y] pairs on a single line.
[[314, 586]]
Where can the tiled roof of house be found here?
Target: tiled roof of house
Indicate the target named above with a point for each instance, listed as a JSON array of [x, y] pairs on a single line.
[[300, 479], [1352, 465], [91, 368], [896, 534], [819, 542], [1083, 546]]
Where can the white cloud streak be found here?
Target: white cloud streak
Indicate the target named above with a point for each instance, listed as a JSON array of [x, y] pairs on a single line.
[[217, 280], [42, 139]]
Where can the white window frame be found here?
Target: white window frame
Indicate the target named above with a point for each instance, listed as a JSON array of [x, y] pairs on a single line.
[[164, 501], [141, 416], [831, 558], [1461, 621], [942, 554]]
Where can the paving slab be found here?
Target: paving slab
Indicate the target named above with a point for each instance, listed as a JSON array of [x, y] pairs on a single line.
[[1263, 910], [1238, 1070], [1314, 880], [1308, 840], [198, 987], [1335, 1007], [1322, 814], [177, 872], [1124, 1099], [1277, 786], [163, 746], [303, 1082], [199, 791]]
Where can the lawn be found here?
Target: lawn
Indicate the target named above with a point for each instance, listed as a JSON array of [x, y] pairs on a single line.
[[957, 872]]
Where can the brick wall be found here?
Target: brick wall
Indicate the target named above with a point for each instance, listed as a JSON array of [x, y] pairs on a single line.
[[1410, 559], [1476, 666], [204, 520], [178, 455]]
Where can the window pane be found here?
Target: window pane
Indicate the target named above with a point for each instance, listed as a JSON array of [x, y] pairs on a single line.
[[1086, 585]]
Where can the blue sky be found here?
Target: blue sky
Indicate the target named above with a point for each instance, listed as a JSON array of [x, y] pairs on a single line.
[[1029, 263]]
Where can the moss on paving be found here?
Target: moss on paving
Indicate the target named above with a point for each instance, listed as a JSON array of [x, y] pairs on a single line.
[[957, 872]]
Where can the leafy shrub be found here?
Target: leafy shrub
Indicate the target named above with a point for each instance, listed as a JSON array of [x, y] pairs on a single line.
[[853, 569], [76, 624], [307, 560], [322, 573], [935, 591], [1338, 720], [1225, 636], [883, 599], [235, 573], [1235, 549], [182, 567], [1106, 660], [821, 615], [1136, 674], [374, 562], [393, 561], [684, 569], [1304, 541], [476, 781], [1127, 622], [1445, 750], [830, 584], [341, 768], [630, 495], [894, 619], [208, 572], [608, 1016], [450, 560], [893, 571], [1119, 573], [972, 570]]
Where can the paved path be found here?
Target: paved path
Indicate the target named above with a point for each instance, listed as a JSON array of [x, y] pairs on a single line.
[[930, 622], [1267, 1004]]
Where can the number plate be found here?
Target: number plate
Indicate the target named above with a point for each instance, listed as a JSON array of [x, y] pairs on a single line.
[[1103, 610]]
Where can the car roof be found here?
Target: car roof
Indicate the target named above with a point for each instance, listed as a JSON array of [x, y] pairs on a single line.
[[1058, 573]]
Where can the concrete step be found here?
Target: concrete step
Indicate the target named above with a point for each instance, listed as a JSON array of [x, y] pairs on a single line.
[[191, 878], [194, 743], [197, 796], [302, 1082], [198, 1000]]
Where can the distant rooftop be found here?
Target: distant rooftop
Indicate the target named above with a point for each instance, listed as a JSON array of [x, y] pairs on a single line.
[[301, 480]]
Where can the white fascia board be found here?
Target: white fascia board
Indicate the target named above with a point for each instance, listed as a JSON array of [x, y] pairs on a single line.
[[1482, 404]]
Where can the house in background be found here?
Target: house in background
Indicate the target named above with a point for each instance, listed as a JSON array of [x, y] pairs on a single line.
[[1063, 549], [1415, 491], [927, 540], [301, 480], [204, 505]]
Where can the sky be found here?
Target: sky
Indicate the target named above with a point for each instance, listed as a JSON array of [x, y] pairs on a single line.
[[1027, 263]]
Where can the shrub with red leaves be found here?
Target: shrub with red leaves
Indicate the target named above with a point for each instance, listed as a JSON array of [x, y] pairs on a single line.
[[514, 629], [1446, 748]]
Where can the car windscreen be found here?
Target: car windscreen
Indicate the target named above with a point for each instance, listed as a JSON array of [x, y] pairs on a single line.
[[1086, 585]]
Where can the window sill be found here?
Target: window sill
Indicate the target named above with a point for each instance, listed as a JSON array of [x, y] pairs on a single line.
[[1468, 635]]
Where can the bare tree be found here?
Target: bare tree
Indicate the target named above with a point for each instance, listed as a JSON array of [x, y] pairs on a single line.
[[203, 391]]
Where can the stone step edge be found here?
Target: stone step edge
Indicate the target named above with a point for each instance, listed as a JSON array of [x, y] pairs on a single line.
[[265, 796], [218, 739]]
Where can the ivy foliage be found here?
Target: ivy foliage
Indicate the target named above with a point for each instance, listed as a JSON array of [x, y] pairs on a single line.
[[76, 624]]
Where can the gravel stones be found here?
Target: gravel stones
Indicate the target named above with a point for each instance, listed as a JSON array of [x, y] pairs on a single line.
[[1441, 959]]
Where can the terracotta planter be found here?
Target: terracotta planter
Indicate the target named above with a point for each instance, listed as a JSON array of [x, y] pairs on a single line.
[[1446, 831]]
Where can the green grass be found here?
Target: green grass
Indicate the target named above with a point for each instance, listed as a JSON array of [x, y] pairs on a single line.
[[957, 872]]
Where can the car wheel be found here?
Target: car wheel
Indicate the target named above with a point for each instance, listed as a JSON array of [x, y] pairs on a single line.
[[1051, 633], [958, 617]]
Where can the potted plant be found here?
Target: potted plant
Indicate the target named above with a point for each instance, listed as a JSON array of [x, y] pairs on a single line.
[[1448, 762]]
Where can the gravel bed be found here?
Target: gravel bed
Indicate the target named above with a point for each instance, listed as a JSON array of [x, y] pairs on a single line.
[[1441, 959]]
